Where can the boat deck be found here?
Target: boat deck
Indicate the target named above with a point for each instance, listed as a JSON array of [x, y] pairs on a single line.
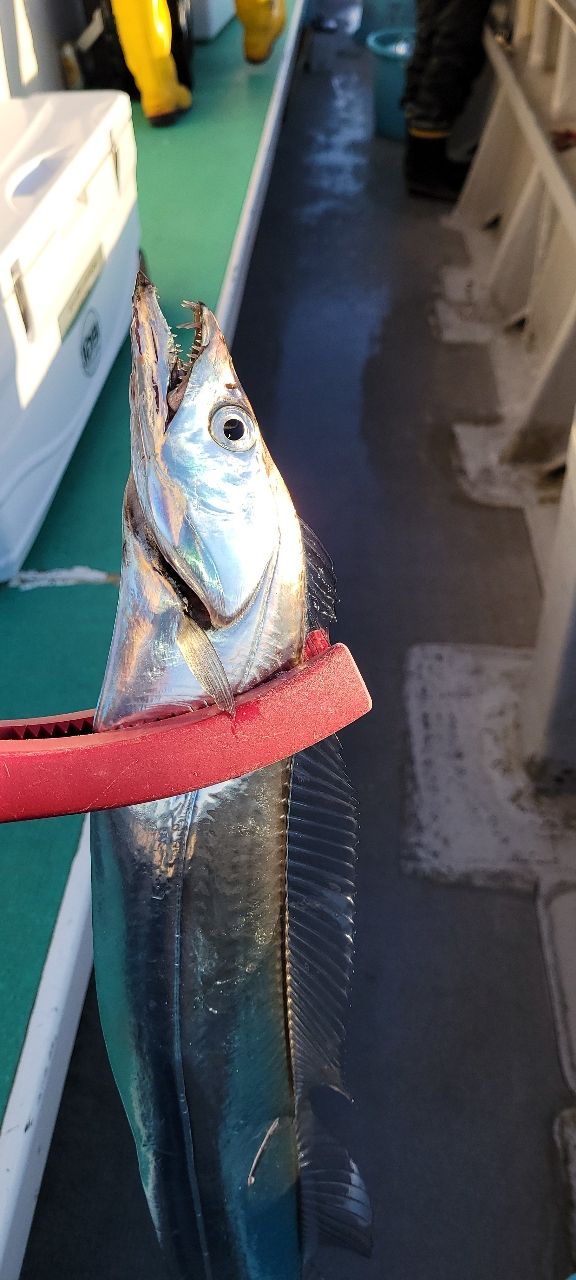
[[451, 1053]]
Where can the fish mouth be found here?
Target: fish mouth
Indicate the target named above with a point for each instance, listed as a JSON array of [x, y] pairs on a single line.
[[180, 368]]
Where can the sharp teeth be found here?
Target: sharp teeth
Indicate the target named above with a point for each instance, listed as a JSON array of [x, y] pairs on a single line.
[[181, 370], [197, 323]]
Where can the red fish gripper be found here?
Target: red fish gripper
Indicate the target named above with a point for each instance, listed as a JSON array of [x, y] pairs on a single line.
[[59, 765]]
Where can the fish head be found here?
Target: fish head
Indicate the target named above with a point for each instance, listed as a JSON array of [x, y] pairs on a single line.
[[205, 481]]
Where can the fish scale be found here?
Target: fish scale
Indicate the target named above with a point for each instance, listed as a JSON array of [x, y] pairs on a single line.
[[223, 919]]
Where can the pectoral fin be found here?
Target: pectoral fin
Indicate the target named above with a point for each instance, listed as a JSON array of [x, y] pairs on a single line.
[[200, 655]]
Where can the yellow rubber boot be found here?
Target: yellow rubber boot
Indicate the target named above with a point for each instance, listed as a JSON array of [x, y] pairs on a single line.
[[145, 33], [263, 20]]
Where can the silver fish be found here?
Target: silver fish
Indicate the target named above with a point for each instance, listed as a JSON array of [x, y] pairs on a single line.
[[223, 919]]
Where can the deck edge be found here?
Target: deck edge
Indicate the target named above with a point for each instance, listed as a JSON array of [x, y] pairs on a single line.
[[35, 1096]]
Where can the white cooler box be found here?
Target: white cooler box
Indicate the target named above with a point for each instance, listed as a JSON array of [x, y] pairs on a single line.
[[210, 16], [69, 243]]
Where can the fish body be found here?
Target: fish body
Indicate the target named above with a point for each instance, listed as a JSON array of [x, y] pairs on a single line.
[[223, 917]]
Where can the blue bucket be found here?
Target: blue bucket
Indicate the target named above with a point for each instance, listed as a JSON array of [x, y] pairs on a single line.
[[377, 14], [393, 49]]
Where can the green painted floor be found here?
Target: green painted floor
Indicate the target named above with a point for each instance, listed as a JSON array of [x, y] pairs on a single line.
[[192, 181]]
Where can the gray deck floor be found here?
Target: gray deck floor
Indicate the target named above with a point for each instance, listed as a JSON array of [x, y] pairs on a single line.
[[451, 1054]]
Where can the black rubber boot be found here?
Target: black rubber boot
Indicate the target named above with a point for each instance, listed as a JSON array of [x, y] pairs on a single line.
[[429, 171]]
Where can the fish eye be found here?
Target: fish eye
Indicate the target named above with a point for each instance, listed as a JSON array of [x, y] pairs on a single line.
[[233, 428]]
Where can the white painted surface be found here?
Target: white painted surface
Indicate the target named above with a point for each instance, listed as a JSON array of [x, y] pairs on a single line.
[[557, 920], [462, 288], [567, 9], [519, 204], [35, 1097], [69, 236], [549, 704], [32, 33], [565, 1139], [473, 812], [486, 478], [458, 325], [531, 118], [76, 575], [481, 473], [542, 521], [210, 16], [532, 367]]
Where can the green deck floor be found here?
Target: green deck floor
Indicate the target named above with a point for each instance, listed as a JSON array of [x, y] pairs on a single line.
[[192, 183]]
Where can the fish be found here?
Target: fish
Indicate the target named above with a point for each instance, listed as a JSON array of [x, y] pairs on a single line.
[[223, 918]]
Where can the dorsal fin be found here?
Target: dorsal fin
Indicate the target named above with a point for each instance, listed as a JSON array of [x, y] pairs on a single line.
[[321, 582], [322, 838]]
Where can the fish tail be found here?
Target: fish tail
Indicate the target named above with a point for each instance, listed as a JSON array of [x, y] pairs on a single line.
[[334, 1202]]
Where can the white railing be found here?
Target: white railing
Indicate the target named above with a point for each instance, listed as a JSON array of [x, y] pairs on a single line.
[[518, 213]]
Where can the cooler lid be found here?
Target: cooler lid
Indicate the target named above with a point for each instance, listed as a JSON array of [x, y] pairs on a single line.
[[51, 144]]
